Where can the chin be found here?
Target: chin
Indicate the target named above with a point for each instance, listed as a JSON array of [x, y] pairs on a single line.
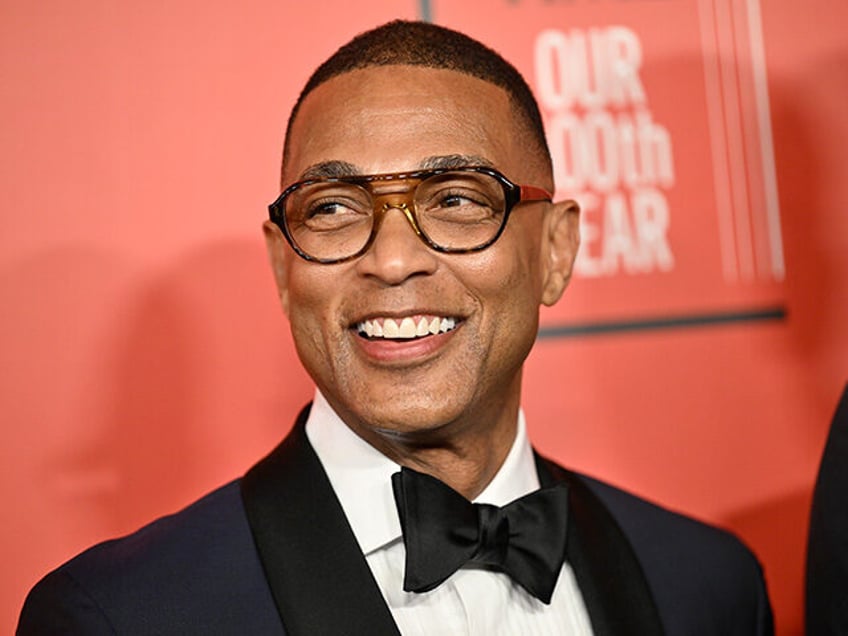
[[404, 418]]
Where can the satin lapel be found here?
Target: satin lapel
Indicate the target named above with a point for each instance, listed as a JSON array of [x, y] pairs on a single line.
[[608, 573], [317, 574]]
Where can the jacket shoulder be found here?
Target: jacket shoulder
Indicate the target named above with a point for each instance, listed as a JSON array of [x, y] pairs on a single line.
[[699, 574], [196, 571]]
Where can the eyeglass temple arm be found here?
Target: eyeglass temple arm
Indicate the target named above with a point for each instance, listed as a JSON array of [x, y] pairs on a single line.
[[532, 193]]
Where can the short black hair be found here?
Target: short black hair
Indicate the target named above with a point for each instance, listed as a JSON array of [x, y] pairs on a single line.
[[408, 43]]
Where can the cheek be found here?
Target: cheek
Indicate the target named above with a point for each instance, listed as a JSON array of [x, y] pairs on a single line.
[[512, 271], [516, 293], [311, 307]]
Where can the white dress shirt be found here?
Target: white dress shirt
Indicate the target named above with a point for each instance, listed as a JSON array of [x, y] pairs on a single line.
[[471, 601]]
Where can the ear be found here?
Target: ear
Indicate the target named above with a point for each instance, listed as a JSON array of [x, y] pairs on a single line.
[[276, 245], [561, 240]]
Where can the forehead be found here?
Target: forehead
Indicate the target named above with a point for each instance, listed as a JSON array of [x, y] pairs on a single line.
[[393, 118]]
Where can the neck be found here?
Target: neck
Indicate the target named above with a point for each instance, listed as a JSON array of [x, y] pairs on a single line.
[[464, 455], [468, 468]]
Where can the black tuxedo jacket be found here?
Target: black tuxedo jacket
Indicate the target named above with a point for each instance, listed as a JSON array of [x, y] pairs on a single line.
[[273, 553], [827, 547]]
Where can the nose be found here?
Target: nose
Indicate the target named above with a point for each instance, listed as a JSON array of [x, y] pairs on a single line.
[[397, 253]]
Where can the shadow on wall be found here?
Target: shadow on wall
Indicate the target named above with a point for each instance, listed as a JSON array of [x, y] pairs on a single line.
[[203, 380], [810, 174], [145, 410], [777, 531], [132, 394]]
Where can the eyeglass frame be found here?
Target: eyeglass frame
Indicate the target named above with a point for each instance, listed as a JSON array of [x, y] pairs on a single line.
[[514, 194]]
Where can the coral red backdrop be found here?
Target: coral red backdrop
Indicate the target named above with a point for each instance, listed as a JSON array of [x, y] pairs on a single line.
[[696, 359]]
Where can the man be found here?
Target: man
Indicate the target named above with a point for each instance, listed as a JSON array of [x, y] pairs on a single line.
[[413, 243]]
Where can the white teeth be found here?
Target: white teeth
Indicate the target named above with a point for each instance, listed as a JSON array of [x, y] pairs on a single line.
[[390, 329], [406, 328]]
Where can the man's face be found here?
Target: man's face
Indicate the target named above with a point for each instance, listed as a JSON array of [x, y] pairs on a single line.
[[399, 118]]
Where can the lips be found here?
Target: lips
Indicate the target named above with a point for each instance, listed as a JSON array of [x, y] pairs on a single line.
[[405, 328]]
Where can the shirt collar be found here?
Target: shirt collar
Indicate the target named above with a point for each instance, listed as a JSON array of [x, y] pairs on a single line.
[[361, 475]]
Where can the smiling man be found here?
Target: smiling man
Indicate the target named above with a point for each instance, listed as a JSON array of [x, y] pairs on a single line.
[[414, 241]]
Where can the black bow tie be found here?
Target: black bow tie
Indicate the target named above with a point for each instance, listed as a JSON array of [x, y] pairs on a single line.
[[443, 531]]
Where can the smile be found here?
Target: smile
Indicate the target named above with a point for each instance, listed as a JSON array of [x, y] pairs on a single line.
[[406, 328]]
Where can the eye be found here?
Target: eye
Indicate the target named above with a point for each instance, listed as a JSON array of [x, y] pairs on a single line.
[[329, 215], [460, 197], [449, 199], [328, 208], [457, 203]]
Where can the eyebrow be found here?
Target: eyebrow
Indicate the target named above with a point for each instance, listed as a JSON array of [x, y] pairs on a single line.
[[436, 162], [330, 169], [340, 169]]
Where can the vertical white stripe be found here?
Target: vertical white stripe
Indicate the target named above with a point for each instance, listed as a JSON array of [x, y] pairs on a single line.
[[758, 72], [721, 178], [733, 134], [756, 208]]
